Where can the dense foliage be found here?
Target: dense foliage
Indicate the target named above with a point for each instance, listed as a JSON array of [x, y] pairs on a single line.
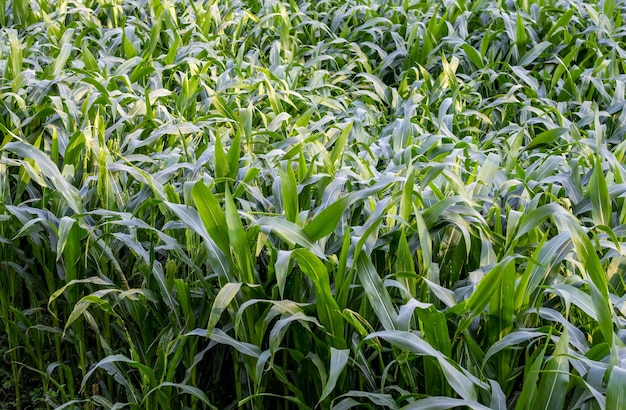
[[313, 204]]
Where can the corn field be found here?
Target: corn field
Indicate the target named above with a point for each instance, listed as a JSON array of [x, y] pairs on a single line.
[[329, 204]]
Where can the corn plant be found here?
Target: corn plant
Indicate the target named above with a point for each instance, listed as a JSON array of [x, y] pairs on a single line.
[[312, 204]]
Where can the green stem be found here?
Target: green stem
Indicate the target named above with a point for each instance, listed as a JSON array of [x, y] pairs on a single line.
[[237, 381]]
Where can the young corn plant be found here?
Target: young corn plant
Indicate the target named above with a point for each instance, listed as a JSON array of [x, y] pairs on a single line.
[[296, 204]]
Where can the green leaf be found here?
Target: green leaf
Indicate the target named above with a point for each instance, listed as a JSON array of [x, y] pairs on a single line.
[[473, 55], [222, 169], [185, 388], [587, 255], [379, 399], [481, 297], [486, 175], [65, 229], [94, 280], [531, 375], [501, 304], [280, 328], [282, 265], [119, 358], [96, 297], [327, 308], [234, 154], [532, 54], [461, 382], [211, 214], [226, 294], [66, 49], [616, 389], [376, 292], [216, 258], [546, 138], [562, 23], [601, 210], [435, 327], [442, 403], [239, 240], [326, 221], [289, 193], [338, 360], [520, 32], [50, 170], [219, 336], [555, 378], [406, 200], [340, 143], [511, 340], [291, 233]]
